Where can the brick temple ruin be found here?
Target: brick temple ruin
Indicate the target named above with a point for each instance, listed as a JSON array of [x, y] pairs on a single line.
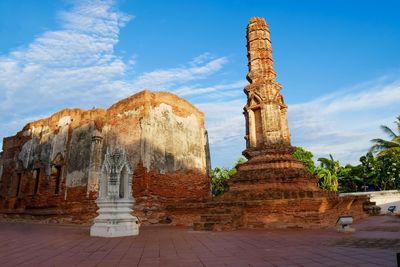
[[50, 170]]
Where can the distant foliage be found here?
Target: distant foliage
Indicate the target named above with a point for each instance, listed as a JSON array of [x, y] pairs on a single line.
[[221, 175], [351, 179], [306, 157], [328, 172], [379, 169], [381, 172], [374, 173], [392, 146]]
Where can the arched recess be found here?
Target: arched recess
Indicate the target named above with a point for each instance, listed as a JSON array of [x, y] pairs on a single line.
[[36, 174], [123, 183], [254, 100], [116, 175], [16, 184], [255, 120], [57, 172]]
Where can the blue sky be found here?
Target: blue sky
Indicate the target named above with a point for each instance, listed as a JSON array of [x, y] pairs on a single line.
[[338, 63]]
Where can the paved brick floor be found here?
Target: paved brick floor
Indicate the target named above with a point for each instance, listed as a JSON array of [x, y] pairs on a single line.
[[375, 243]]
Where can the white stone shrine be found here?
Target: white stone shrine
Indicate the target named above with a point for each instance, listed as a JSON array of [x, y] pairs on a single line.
[[115, 199]]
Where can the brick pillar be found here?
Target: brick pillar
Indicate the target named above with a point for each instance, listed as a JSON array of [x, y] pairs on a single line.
[[96, 156]]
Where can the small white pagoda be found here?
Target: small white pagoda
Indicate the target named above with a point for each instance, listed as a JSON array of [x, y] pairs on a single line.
[[115, 199]]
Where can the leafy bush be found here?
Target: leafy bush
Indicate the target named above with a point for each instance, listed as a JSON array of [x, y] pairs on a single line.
[[328, 173], [380, 172], [221, 175], [306, 157], [383, 172]]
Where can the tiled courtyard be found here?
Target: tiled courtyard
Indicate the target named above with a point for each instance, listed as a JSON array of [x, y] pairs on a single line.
[[375, 243]]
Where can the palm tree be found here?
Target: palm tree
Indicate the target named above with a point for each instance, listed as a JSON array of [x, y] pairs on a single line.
[[328, 173], [383, 147]]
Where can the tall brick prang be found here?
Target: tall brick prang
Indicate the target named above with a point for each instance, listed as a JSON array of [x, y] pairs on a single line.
[[265, 111], [272, 189], [268, 147]]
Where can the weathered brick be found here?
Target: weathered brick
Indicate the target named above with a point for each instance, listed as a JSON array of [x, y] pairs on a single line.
[[50, 169]]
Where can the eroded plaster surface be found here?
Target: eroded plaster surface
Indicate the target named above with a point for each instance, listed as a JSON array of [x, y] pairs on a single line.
[[55, 163], [171, 142]]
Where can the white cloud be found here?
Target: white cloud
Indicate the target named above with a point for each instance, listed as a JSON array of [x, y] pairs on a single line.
[[342, 124], [224, 120], [201, 59], [167, 78], [219, 89], [226, 129], [70, 63], [76, 66]]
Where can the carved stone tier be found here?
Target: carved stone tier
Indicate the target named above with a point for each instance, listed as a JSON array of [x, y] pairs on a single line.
[[272, 168], [115, 219]]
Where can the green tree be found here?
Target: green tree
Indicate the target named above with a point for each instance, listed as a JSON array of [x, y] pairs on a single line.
[[380, 171], [305, 157], [327, 180], [382, 146], [328, 173], [328, 170], [221, 175], [383, 171], [389, 171], [369, 170], [350, 178]]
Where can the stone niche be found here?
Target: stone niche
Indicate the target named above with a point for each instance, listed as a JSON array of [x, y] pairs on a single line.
[[50, 170], [115, 199]]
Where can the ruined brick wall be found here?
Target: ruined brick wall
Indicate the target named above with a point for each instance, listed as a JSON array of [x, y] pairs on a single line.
[[51, 168]]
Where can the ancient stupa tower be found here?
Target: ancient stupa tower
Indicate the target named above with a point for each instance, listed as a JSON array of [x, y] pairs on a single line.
[[268, 149], [265, 112], [272, 189]]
